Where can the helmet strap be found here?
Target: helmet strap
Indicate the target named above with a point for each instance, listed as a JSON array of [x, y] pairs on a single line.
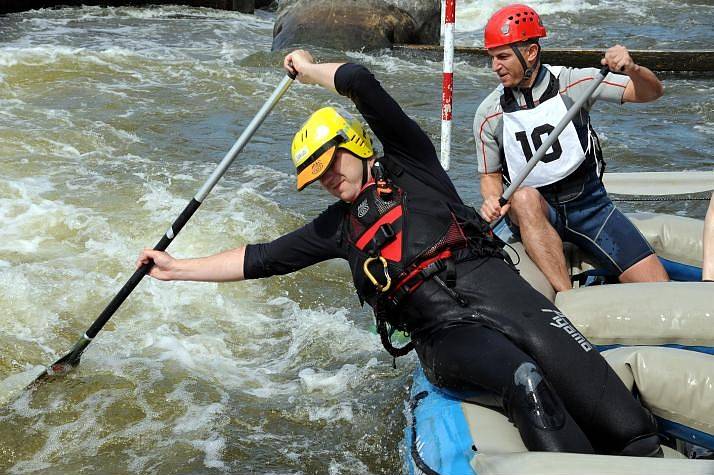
[[527, 70]]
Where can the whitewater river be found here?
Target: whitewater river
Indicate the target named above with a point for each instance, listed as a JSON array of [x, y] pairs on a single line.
[[111, 119]]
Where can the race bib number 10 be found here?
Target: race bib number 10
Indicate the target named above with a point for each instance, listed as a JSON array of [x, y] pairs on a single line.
[[537, 141]]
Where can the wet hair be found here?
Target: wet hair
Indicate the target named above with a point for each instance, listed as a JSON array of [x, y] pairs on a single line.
[[526, 43]]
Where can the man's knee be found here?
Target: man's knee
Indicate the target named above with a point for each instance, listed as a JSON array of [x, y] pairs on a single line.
[[527, 206], [649, 269], [643, 446], [642, 439], [539, 414], [526, 198]]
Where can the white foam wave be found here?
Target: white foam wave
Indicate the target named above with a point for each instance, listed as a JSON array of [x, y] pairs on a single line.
[[37, 55], [142, 63], [199, 426], [230, 343], [167, 12], [331, 327], [707, 128], [352, 465], [206, 355], [30, 220], [340, 411], [11, 387], [267, 180], [387, 61], [196, 420], [335, 383], [472, 15], [213, 448]]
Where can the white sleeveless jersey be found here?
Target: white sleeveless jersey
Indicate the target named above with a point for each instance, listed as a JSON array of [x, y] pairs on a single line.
[[490, 137], [524, 131]]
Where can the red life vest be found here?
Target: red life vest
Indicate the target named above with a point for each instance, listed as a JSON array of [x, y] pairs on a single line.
[[392, 236], [396, 243]]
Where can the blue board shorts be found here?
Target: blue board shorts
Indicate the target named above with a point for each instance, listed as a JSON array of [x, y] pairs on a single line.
[[586, 217]]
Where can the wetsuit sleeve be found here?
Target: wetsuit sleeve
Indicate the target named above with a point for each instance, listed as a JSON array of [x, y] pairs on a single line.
[[398, 133], [575, 82], [487, 125], [405, 143], [315, 242]]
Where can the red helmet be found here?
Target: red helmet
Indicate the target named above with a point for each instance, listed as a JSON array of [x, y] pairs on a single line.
[[512, 24]]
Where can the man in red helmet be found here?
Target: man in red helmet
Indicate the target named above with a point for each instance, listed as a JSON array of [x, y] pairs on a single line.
[[563, 198]]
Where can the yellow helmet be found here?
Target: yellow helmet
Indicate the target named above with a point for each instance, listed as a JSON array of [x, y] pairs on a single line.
[[315, 144]]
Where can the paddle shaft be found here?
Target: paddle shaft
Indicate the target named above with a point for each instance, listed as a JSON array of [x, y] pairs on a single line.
[[181, 220], [552, 137]]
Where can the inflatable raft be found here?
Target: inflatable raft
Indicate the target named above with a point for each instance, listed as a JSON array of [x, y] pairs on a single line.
[[658, 337]]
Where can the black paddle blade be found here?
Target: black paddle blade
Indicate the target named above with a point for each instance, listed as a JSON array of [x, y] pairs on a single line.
[[57, 369], [63, 365]]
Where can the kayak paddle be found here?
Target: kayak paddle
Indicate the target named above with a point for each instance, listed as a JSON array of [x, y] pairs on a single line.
[[71, 359]]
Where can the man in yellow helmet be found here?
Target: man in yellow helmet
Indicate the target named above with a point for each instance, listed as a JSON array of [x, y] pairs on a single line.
[[315, 144], [429, 265]]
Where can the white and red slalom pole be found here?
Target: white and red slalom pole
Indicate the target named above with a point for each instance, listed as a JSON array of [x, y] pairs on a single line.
[[447, 90]]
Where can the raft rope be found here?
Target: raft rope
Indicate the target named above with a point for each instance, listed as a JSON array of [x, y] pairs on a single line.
[[691, 196], [663, 198], [416, 456]]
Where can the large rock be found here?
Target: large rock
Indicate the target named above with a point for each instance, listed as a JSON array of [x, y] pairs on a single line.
[[356, 24], [427, 16]]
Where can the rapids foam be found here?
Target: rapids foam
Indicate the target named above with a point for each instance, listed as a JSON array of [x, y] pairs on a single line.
[[473, 15]]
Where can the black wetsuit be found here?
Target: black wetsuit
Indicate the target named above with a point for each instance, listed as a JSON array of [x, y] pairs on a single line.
[[509, 339]]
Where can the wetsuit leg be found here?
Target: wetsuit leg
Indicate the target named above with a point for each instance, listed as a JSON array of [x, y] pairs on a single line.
[[471, 357], [590, 390], [594, 224]]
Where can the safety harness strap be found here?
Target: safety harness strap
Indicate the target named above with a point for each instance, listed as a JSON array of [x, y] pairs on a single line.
[[429, 270], [384, 235], [385, 335]]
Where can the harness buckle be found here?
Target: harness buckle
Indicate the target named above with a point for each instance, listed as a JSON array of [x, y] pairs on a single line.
[[375, 282], [384, 235]]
